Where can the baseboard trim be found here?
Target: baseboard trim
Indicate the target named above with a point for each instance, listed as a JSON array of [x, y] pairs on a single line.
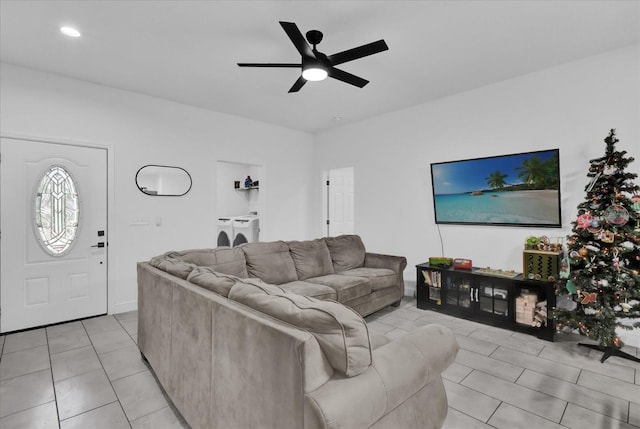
[[123, 307]]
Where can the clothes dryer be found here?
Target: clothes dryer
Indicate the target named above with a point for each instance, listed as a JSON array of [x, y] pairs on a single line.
[[225, 231], [246, 229]]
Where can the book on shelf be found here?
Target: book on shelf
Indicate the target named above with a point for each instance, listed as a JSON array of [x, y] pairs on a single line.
[[432, 278]]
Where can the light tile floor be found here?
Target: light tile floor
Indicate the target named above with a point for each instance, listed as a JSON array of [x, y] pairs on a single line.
[[89, 374]]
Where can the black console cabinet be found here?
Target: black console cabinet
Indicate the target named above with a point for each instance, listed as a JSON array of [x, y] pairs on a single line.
[[481, 297]]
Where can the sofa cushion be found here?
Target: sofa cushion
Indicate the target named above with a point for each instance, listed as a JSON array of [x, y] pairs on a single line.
[[209, 279], [346, 287], [222, 259], [314, 290], [270, 262], [311, 258], [380, 278], [173, 266], [341, 332], [347, 252]]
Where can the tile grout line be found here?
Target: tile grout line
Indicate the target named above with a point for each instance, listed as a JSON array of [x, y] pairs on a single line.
[[563, 413], [470, 416], [574, 403], [53, 383], [107, 375], [164, 394], [567, 402], [493, 413], [515, 406]]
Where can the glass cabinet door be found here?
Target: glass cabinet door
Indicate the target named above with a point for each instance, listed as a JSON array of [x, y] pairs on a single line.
[[459, 291], [494, 297]]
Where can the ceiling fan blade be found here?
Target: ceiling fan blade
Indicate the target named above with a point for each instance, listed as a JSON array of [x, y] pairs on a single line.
[[359, 52], [282, 65], [299, 84], [297, 38], [347, 77]]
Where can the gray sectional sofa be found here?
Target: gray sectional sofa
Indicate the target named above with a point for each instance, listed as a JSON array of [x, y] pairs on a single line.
[[271, 335]]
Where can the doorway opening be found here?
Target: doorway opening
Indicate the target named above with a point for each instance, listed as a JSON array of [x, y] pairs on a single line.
[[240, 202]]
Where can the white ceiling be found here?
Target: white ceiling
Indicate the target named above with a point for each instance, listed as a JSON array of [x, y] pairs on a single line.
[[186, 51]]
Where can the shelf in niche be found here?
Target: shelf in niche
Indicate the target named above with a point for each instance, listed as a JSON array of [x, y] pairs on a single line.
[[248, 189]]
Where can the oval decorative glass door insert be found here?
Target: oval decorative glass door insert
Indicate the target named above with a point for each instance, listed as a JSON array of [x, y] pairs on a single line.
[[57, 211]]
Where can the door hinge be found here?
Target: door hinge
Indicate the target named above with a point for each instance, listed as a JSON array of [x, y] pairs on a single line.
[[327, 183], [328, 222]]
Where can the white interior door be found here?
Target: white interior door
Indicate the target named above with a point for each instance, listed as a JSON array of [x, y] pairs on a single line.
[[54, 217], [340, 201]]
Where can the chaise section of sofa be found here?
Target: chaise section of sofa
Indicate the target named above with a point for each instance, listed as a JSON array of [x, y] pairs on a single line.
[[258, 355]]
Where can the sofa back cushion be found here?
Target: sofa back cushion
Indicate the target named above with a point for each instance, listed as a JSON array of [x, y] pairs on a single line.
[[208, 278], [270, 262], [347, 252], [341, 332], [227, 260], [173, 266], [311, 258]]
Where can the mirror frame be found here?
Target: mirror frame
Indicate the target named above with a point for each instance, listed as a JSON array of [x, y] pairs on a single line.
[[163, 195]]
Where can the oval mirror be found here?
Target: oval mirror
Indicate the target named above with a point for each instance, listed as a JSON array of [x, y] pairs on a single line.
[[163, 180]]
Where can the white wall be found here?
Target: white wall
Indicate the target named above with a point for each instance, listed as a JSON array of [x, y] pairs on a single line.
[[571, 107], [141, 130]]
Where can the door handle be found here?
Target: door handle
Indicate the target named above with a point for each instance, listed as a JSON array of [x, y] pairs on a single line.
[[98, 245]]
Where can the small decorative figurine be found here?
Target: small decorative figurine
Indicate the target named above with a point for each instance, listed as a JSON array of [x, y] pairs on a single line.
[[248, 182]]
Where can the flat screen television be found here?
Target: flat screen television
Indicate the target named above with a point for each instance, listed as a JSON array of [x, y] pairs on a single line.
[[521, 189]]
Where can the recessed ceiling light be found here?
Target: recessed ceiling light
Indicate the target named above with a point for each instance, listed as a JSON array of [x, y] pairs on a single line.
[[70, 31]]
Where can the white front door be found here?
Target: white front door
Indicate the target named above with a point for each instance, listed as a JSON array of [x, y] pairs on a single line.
[[53, 254], [340, 201]]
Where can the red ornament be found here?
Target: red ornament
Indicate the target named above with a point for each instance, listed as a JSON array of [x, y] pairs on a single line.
[[584, 220]]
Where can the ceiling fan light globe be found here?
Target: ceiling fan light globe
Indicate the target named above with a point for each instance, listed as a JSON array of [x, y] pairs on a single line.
[[70, 31], [314, 74]]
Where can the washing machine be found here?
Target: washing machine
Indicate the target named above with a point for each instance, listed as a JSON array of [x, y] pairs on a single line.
[[246, 229], [225, 231]]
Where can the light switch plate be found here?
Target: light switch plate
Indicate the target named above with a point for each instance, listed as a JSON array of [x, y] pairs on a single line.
[[140, 221]]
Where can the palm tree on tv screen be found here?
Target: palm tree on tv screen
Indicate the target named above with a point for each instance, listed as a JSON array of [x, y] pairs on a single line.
[[496, 179], [539, 174], [531, 171]]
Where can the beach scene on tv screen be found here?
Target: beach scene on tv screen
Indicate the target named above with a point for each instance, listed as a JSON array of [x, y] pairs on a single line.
[[519, 189]]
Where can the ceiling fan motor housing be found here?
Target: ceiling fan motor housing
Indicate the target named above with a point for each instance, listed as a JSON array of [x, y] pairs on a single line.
[[314, 37]]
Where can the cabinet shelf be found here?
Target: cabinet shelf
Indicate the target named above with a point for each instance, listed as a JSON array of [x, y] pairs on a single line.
[[481, 297]]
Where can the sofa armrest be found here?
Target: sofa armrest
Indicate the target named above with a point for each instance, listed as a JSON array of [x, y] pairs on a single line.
[[377, 260], [400, 369], [397, 264]]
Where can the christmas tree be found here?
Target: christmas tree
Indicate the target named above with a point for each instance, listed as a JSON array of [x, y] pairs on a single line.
[[599, 286]]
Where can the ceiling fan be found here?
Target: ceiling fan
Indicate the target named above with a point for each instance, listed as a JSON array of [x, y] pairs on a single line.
[[317, 66]]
